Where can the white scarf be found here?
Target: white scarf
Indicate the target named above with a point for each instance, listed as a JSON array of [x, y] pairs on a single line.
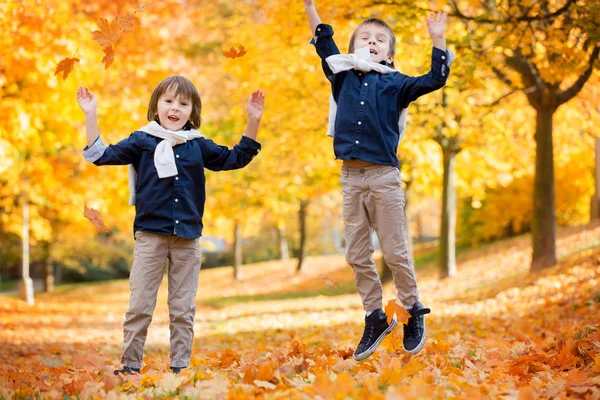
[[361, 61], [164, 158]]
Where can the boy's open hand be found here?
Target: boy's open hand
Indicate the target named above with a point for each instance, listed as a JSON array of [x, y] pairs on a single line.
[[436, 24], [87, 101], [256, 104]]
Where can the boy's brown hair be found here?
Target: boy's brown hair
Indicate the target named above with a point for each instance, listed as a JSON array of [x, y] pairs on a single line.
[[183, 88], [382, 23]]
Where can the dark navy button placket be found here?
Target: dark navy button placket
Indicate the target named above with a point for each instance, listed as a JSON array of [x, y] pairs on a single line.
[[177, 212], [360, 118]]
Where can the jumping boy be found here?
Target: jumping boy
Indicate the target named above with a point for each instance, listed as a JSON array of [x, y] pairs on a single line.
[[369, 99]]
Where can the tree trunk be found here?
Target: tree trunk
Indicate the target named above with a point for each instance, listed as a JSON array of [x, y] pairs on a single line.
[[448, 222], [26, 288], [595, 205], [49, 275], [302, 250], [543, 227], [282, 243], [237, 251]]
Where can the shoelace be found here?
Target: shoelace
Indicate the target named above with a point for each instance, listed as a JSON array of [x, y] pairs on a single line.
[[412, 329], [367, 334]]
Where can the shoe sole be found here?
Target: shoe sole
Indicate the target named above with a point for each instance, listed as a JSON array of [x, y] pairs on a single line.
[[371, 350], [420, 345]]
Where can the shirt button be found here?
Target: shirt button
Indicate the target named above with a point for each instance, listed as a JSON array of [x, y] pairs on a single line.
[[443, 57], [176, 200], [362, 103], [176, 221], [176, 178], [357, 142], [177, 156], [360, 123], [257, 151], [319, 29], [366, 84]]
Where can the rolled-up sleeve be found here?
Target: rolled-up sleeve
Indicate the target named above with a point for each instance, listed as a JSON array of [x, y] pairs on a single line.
[[95, 151]]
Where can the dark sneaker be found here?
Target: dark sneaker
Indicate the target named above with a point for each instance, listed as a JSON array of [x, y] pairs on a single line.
[[376, 329], [127, 370], [176, 369], [414, 330]]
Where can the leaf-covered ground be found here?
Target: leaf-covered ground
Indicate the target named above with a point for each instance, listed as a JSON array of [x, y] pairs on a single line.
[[495, 331]]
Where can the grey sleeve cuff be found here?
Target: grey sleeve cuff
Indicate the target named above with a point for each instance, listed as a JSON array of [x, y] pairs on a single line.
[[451, 56], [95, 151]]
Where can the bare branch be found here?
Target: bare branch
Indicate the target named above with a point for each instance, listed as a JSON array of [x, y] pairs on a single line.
[[508, 19], [571, 92]]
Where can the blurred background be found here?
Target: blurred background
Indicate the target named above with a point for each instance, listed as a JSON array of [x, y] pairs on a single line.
[[508, 147]]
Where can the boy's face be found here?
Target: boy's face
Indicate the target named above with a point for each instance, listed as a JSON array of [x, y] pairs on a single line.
[[377, 39], [173, 111]]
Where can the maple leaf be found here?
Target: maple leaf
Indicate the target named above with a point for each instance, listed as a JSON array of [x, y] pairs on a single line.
[[109, 56], [66, 66], [392, 308], [94, 217], [127, 22], [108, 33], [233, 53]]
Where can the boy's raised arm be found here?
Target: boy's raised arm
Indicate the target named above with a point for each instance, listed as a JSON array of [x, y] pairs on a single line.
[[88, 103], [313, 16]]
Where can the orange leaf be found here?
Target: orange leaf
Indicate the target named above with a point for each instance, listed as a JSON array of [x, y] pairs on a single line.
[[66, 66], [94, 217], [229, 357], [250, 374], [109, 57], [233, 53], [108, 33], [392, 308], [127, 22]]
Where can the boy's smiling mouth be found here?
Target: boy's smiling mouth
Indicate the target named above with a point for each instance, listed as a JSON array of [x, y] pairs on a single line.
[[173, 118]]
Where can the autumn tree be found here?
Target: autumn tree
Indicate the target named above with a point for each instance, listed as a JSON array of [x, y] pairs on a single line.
[[546, 50]]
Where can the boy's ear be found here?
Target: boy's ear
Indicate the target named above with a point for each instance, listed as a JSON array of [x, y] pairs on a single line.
[[390, 60]]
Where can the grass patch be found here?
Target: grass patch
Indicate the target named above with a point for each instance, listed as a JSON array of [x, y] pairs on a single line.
[[8, 285]]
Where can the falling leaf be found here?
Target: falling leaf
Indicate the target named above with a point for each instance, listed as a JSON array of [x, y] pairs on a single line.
[[109, 56], [127, 22], [108, 33], [66, 66], [94, 217], [233, 53]]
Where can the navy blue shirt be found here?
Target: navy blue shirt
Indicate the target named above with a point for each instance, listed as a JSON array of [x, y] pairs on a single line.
[[173, 205], [369, 104]]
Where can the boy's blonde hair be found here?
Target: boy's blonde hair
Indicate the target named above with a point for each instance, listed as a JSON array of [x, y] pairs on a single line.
[[184, 88], [382, 23]]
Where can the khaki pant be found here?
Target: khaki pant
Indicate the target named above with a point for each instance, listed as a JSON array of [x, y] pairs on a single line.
[[150, 253], [374, 201]]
